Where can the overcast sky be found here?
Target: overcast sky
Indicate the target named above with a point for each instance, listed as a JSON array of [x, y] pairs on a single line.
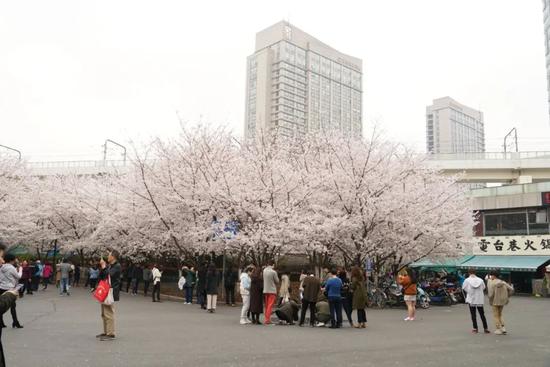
[[74, 73]]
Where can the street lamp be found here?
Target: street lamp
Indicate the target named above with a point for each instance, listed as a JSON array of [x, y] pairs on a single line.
[[12, 149], [115, 143]]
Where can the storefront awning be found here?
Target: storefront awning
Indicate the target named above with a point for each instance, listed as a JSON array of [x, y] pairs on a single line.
[[450, 264], [509, 263]]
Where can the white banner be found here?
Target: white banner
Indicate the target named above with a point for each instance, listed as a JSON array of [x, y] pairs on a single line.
[[512, 245]]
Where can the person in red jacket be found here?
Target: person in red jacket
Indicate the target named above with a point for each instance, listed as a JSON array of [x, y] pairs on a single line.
[[409, 291]]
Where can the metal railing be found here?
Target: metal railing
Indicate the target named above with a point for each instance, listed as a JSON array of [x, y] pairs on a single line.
[[489, 156], [77, 164]]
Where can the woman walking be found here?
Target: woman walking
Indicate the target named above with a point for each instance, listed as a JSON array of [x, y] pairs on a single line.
[[256, 295], [408, 283], [10, 273], [212, 284], [359, 296]]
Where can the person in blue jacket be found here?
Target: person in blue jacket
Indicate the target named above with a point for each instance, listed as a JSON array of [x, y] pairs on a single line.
[[333, 290]]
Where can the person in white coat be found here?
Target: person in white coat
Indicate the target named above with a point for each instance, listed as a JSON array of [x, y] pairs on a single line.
[[475, 298], [245, 294], [157, 275]]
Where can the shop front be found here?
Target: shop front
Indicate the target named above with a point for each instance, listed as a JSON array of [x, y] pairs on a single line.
[[519, 259]]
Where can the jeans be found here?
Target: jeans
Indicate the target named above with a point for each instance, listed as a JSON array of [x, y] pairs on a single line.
[[361, 316], [201, 297], [269, 299], [145, 287], [64, 286], [246, 306], [335, 305], [481, 314], [156, 292], [135, 285], [93, 283], [305, 305], [230, 295], [348, 308], [188, 294]]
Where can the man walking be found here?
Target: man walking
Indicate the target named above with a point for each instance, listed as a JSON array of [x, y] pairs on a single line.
[[271, 280], [474, 287], [311, 286], [112, 274], [333, 288], [499, 293], [65, 269]]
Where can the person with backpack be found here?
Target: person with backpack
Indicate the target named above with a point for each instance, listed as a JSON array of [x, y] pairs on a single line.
[[407, 280], [499, 296], [347, 296], [474, 287], [190, 280]]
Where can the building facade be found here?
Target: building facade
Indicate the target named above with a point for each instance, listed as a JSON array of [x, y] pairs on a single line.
[[546, 12], [512, 233], [295, 84], [453, 128]]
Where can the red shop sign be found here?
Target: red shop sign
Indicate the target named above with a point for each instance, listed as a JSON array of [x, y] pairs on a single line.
[[546, 198]]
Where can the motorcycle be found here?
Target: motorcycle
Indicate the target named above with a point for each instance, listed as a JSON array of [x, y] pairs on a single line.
[[395, 296], [440, 295]]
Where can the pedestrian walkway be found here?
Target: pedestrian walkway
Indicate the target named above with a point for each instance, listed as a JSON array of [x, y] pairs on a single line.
[[60, 331]]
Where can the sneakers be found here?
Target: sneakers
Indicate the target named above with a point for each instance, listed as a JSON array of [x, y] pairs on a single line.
[[100, 335], [107, 338], [487, 331], [474, 331], [498, 332], [407, 319], [503, 330]]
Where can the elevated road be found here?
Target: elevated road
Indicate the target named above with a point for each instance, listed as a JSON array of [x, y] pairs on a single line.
[[520, 167]]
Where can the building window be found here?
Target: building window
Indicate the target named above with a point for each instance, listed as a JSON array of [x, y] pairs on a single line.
[[504, 224]]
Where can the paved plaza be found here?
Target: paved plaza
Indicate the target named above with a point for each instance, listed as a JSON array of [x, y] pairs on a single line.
[[60, 331]]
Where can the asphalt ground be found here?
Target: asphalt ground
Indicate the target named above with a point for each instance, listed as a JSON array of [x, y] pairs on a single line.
[[60, 331]]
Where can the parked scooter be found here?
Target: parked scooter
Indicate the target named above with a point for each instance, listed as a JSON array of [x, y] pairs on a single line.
[[440, 295], [396, 298]]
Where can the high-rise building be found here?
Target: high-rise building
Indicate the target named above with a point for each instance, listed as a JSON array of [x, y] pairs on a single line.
[[546, 6], [453, 128], [296, 84]]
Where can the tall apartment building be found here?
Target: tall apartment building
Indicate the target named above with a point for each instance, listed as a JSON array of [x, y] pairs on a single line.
[[546, 9], [296, 84], [453, 128]]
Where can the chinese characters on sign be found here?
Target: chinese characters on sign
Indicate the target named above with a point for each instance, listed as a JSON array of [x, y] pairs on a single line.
[[513, 245]]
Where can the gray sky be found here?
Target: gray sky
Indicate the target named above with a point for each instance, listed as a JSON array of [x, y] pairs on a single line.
[[73, 73]]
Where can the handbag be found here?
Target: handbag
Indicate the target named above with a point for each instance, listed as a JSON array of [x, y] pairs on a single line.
[[104, 292]]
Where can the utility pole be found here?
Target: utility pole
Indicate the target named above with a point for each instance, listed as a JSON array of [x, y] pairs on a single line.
[[115, 143], [514, 136]]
